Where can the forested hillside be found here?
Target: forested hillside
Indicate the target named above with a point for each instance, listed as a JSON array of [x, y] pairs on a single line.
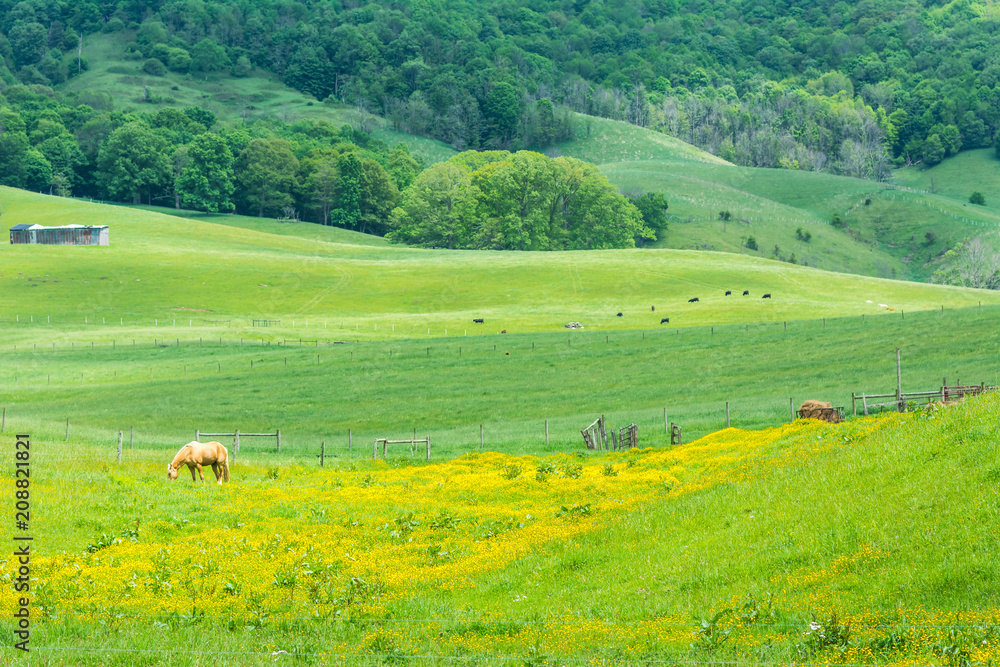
[[847, 87]]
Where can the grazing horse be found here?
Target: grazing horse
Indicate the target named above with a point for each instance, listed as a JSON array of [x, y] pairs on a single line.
[[478, 320], [693, 300], [728, 292], [197, 454], [665, 320], [766, 296], [618, 315], [652, 308], [746, 292]]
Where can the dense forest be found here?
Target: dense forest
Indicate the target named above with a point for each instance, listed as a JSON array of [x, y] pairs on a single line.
[[186, 158], [849, 87]]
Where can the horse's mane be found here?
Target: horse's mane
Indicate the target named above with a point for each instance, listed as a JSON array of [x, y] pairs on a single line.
[[179, 458]]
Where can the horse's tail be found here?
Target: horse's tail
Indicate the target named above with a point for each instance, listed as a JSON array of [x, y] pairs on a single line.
[[225, 466]]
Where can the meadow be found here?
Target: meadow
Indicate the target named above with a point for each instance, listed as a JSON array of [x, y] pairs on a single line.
[[516, 550], [868, 542], [379, 340]]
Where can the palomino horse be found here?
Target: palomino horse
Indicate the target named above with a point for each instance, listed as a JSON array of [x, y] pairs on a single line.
[[197, 454]]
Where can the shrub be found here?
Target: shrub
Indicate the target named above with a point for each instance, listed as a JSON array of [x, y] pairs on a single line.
[[154, 67], [977, 198], [751, 243]]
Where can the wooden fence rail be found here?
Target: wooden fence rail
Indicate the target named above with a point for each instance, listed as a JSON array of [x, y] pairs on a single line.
[[413, 442], [236, 435]]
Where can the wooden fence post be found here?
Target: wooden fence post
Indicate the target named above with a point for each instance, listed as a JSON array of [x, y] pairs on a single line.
[[864, 403], [899, 384], [428, 448], [322, 453], [375, 451], [119, 446], [237, 441], [854, 405], [791, 409], [277, 436], [197, 435]]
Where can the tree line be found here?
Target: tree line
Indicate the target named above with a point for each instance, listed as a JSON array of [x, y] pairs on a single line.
[[312, 170], [186, 158], [849, 87]]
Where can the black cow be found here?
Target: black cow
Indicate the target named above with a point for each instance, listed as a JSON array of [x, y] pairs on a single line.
[[728, 292], [618, 315], [746, 292], [653, 308], [665, 320], [766, 296], [692, 300], [478, 320]]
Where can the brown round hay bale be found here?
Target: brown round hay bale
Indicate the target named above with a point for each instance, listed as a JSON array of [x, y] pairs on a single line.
[[819, 410]]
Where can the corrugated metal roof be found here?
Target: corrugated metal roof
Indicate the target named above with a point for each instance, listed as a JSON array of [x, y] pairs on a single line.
[[23, 226]]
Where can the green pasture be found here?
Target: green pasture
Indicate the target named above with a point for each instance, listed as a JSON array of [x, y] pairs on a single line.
[[886, 232], [510, 385], [604, 141], [318, 284], [889, 526]]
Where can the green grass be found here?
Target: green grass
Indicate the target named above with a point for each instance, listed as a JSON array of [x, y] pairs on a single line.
[[161, 268], [448, 387], [303, 230], [889, 525], [886, 237], [603, 141], [187, 291], [958, 177]]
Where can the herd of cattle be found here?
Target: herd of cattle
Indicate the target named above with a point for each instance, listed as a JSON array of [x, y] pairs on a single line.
[[665, 320]]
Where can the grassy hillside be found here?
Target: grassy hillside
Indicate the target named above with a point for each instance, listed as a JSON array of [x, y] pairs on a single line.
[[260, 95], [113, 337], [161, 267], [887, 236], [604, 141], [870, 542], [958, 177]]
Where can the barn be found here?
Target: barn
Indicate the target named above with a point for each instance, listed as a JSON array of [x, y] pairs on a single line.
[[62, 235]]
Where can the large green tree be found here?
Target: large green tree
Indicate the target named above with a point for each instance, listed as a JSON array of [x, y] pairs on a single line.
[[379, 196], [438, 210], [206, 182], [348, 196], [13, 146], [320, 179], [134, 160], [520, 201], [266, 172]]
